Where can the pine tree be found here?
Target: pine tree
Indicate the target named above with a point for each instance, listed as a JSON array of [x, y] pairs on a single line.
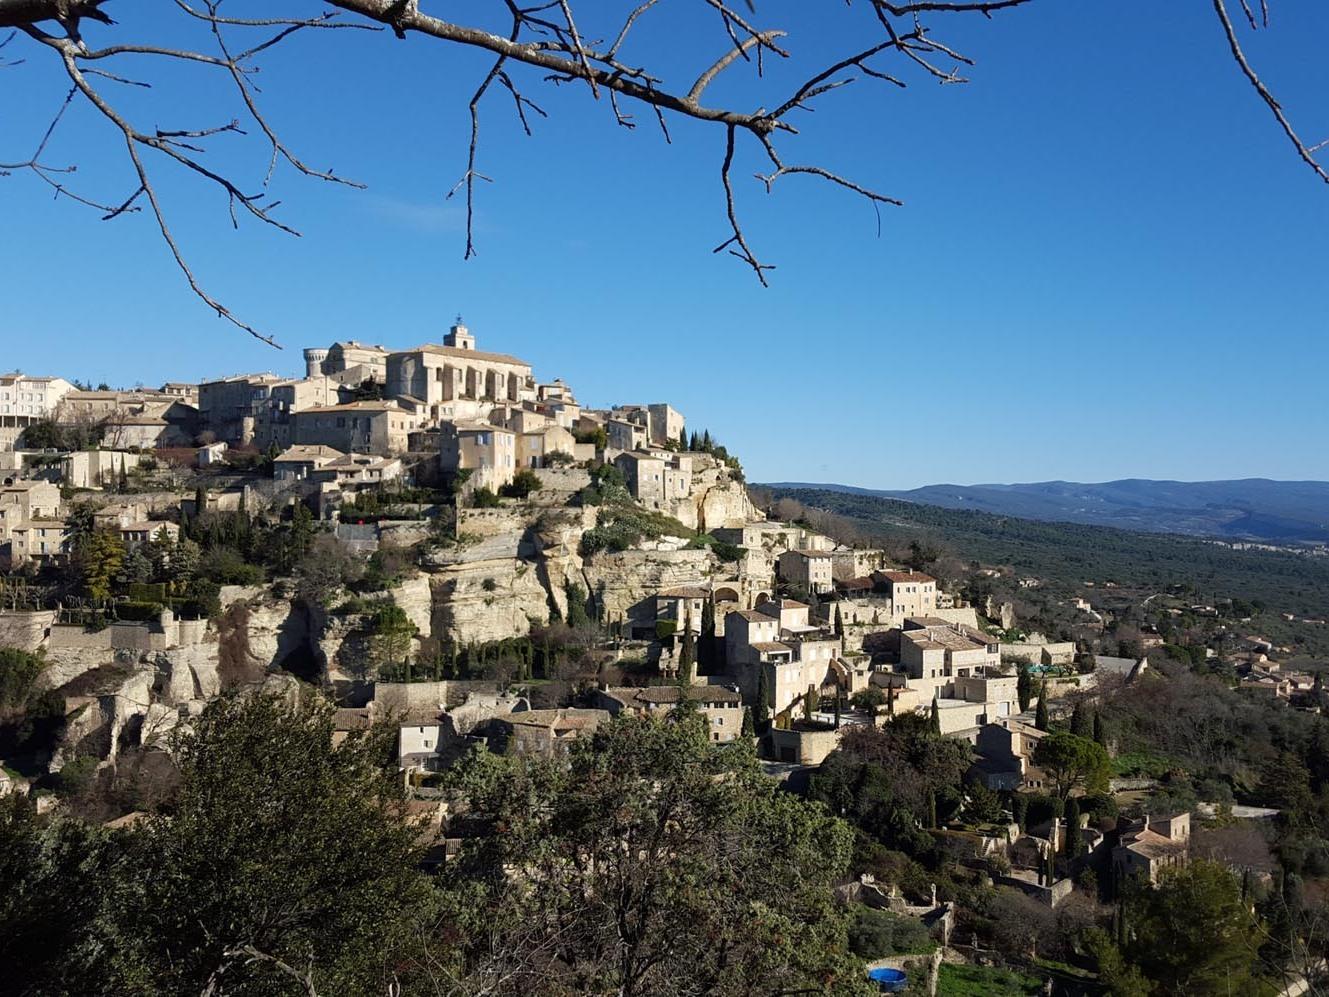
[[1041, 714], [935, 724], [761, 710]]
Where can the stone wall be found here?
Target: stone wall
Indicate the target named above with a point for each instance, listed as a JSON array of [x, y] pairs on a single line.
[[25, 630], [563, 479]]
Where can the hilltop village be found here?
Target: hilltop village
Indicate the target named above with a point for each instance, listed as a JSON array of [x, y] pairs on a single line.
[[439, 541]]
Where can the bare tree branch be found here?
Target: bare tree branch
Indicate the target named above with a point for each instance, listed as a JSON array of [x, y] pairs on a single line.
[[1306, 153], [546, 37]]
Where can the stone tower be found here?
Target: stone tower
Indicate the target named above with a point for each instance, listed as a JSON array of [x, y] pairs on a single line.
[[459, 337], [314, 360]]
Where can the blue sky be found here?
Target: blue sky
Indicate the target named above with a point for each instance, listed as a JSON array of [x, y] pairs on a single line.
[[1109, 263]]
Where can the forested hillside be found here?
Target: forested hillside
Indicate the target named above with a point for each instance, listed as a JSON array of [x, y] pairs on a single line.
[[1071, 554]]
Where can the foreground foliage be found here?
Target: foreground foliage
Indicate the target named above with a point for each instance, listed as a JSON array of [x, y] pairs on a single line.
[[649, 862]]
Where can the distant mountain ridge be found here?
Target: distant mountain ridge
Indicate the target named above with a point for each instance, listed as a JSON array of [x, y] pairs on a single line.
[[1256, 509]]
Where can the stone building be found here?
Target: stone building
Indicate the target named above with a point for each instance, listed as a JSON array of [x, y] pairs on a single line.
[[489, 452], [1152, 844], [932, 648], [456, 380], [656, 478], [274, 418], [811, 570], [541, 732], [722, 707], [298, 463], [357, 427], [25, 399], [348, 362], [912, 593], [228, 407]]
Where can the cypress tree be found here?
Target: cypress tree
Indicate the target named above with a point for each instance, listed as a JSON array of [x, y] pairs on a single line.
[[748, 730], [1041, 714], [1073, 839], [706, 645], [935, 723], [687, 654], [1100, 735], [809, 702], [839, 622], [1019, 809], [1082, 721], [761, 710], [932, 809], [837, 707]]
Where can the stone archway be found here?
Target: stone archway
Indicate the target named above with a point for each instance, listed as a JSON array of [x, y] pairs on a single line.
[[725, 595]]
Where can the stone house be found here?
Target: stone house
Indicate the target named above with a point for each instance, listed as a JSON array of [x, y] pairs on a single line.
[[151, 425], [656, 478], [912, 593], [378, 427], [854, 562], [135, 534], [228, 407], [273, 420], [38, 540], [625, 435], [352, 469], [25, 399], [683, 605], [777, 639], [722, 707], [1152, 844], [811, 570], [489, 452], [932, 648], [299, 462], [1005, 749], [541, 732], [534, 446]]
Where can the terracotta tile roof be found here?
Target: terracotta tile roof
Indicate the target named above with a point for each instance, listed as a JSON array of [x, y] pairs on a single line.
[[667, 694], [752, 616], [365, 406], [454, 351], [907, 576]]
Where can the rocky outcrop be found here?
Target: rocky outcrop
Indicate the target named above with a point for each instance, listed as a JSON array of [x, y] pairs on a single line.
[[184, 674], [622, 581]]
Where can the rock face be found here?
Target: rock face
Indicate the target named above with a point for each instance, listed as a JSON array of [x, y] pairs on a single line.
[[187, 673], [623, 582]]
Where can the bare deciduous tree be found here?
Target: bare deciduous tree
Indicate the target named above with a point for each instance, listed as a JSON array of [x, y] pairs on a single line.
[[550, 44]]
